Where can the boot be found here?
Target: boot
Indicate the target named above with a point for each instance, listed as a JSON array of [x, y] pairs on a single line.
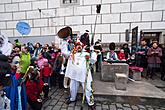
[[92, 107]]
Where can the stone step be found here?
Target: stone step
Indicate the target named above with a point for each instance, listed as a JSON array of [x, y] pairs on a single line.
[[132, 100], [138, 92]]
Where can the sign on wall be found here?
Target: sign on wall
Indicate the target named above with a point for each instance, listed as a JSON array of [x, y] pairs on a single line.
[[23, 28]]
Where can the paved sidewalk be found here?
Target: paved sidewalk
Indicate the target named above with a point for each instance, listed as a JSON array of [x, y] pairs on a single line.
[[58, 98]]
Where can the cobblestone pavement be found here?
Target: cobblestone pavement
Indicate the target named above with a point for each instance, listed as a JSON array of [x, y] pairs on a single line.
[[58, 98]]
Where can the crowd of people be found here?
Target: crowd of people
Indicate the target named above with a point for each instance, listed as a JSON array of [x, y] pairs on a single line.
[[35, 69], [30, 71], [149, 57]]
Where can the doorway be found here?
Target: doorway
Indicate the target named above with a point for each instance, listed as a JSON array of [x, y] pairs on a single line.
[[149, 36]]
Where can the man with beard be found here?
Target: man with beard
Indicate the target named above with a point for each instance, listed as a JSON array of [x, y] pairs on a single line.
[[78, 71]]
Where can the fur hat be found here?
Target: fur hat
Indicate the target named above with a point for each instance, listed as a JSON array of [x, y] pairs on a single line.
[[112, 46]]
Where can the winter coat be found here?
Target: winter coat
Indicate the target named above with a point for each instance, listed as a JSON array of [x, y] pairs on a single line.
[[41, 62], [37, 51], [53, 57], [142, 49], [25, 61], [12, 94], [141, 56], [58, 64], [34, 89], [154, 55], [121, 56], [46, 70]]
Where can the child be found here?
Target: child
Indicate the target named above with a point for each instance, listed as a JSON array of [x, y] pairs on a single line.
[[111, 55], [46, 86], [46, 72], [34, 86], [121, 55]]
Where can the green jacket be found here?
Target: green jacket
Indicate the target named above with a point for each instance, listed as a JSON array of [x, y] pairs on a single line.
[[25, 62]]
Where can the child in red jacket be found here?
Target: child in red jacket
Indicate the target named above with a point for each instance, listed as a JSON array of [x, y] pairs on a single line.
[[121, 55], [46, 72], [34, 86]]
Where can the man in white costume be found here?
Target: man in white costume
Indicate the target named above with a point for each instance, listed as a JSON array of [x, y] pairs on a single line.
[[77, 70]]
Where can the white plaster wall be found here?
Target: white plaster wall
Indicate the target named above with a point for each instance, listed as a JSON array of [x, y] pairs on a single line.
[[116, 16]]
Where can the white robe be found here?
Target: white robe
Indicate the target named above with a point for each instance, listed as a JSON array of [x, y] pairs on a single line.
[[77, 68]]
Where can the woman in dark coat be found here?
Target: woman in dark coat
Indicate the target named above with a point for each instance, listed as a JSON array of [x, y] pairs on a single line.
[[154, 54], [37, 51]]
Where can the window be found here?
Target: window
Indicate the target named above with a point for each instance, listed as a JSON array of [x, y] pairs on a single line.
[[70, 2]]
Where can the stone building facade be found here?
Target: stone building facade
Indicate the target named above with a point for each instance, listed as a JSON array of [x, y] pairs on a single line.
[[116, 16]]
